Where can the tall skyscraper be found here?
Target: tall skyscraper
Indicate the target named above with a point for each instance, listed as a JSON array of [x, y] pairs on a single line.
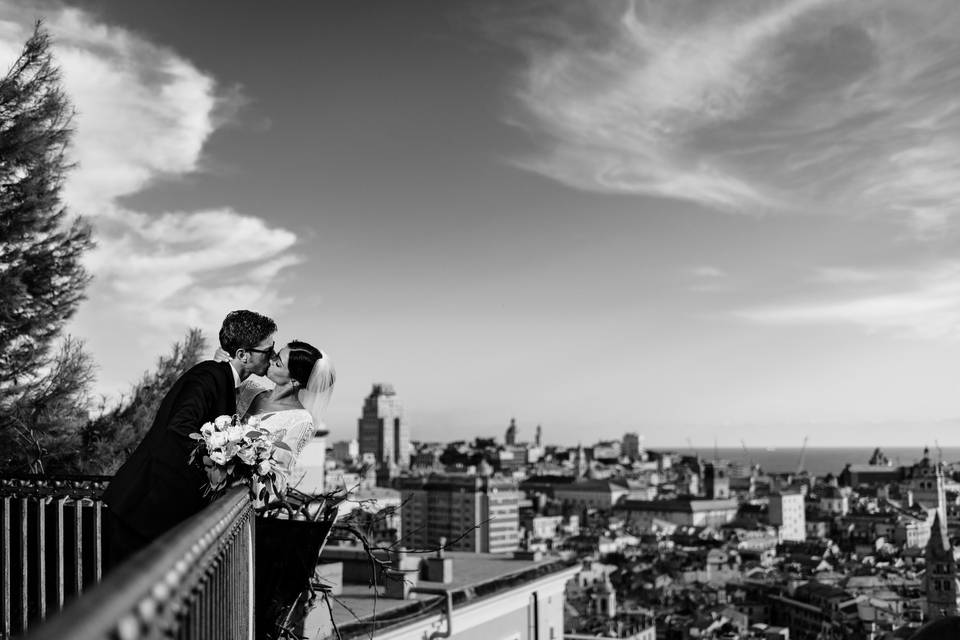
[[382, 431]]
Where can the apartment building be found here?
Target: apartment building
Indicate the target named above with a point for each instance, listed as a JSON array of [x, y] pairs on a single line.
[[472, 513]]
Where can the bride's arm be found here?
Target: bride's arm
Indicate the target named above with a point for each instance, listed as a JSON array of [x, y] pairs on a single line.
[[299, 435], [295, 436]]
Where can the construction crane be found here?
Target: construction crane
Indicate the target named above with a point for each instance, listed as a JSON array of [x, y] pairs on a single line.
[[803, 455], [692, 450], [939, 452]]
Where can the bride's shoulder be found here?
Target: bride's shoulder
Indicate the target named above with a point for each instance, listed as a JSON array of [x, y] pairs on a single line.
[[251, 393]]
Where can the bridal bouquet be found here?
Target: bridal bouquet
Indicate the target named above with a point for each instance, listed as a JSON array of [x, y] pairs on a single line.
[[233, 451]]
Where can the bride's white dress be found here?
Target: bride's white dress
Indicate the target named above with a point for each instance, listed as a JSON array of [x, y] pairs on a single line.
[[295, 426]]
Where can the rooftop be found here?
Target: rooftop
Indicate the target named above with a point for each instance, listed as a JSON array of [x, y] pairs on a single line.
[[475, 576], [678, 504], [594, 485]]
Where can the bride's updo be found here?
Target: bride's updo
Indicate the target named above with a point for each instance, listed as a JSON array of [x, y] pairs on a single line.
[[314, 371], [301, 360]]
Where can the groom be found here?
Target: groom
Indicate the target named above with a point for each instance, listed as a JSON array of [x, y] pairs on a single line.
[[156, 488]]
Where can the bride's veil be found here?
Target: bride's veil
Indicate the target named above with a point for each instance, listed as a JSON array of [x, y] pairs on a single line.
[[316, 395]]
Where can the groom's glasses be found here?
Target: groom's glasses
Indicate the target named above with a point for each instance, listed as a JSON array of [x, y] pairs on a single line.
[[271, 354]]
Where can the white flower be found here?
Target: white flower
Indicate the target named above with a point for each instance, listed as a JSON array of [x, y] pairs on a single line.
[[253, 421], [217, 440], [218, 457], [223, 422], [264, 467], [236, 434], [207, 429]]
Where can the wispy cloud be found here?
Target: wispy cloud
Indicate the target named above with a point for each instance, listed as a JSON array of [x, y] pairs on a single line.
[[845, 275], [707, 279], [144, 114], [707, 272], [924, 303], [801, 106]]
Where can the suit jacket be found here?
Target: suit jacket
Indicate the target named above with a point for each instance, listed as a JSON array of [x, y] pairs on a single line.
[[156, 488]]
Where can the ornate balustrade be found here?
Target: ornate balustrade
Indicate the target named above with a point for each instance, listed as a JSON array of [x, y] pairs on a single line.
[[50, 544]]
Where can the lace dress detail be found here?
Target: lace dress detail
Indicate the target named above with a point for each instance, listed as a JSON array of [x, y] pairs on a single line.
[[296, 426], [250, 389]]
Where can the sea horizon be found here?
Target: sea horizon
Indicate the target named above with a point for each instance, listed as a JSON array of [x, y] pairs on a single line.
[[818, 461]]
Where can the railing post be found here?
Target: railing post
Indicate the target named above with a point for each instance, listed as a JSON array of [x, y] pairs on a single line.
[[6, 568], [24, 563], [59, 572], [42, 559], [251, 540], [77, 546]]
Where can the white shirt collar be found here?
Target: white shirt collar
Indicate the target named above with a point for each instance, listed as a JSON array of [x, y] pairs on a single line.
[[236, 376]]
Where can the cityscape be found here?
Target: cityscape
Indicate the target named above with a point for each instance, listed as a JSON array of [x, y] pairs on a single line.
[[666, 544]]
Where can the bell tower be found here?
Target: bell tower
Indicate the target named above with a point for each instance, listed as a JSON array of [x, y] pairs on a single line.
[[941, 582]]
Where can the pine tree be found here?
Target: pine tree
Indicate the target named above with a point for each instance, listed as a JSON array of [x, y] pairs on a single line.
[[110, 438], [41, 275], [44, 399]]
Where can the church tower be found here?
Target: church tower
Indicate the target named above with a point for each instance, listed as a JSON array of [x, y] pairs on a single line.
[[582, 467], [941, 582], [511, 436], [716, 482], [925, 480]]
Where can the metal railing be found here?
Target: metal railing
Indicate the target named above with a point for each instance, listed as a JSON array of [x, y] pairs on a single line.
[[50, 545], [194, 582]]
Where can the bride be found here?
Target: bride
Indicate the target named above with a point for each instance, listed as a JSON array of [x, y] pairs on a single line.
[[302, 378]]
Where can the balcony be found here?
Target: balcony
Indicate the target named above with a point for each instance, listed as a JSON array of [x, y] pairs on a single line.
[[194, 582]]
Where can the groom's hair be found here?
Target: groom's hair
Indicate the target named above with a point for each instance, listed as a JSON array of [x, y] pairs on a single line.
[[244, 330], [301, 360]]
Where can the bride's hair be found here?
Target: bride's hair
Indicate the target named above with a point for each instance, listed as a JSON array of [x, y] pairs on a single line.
[[301, 360], [313, 370]]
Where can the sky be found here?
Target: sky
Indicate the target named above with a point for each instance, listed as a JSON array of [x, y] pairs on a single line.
[[699, 221]]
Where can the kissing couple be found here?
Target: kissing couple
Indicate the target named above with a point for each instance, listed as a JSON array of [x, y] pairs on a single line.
[[157, 488]]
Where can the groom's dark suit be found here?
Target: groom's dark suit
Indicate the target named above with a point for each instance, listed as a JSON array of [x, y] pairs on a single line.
[[156, 488]]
